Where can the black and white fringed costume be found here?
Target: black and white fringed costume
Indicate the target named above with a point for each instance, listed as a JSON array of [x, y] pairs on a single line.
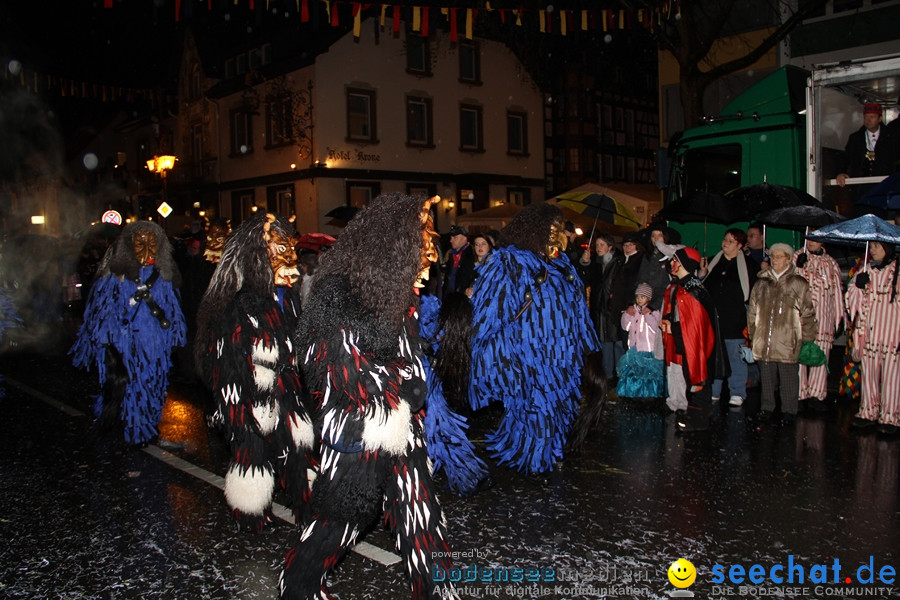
[[363, 368], [246, 355]]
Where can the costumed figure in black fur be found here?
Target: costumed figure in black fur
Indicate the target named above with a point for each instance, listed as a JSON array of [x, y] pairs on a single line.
[[364, 370], [200, 269], [132, 322], [448, 445], [531, 334], [244, 348]]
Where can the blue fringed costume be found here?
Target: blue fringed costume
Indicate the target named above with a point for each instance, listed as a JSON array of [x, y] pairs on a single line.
[[531, 332], [130, 335], [448, 445], [8, 319]]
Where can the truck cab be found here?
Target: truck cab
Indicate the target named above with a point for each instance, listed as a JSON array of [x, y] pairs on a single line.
[[788, 129]]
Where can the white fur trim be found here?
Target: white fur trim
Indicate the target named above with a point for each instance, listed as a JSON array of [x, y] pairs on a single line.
[[301, 431], [263, 374], [266, 417], [387, 430], [250, 492]]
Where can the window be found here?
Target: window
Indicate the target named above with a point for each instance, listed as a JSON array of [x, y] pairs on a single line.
[[197, 142], [516, 133], [421, 189], [280, 199], [470, 130], [230, 69], [361, 115], [711, 169], [418, 54], [418, 121], [518, 196], [242, 204], [279, 122], [242, 63], [255, 58], [360, 193], [241, 133], [196, 87], [574, 160], [469, 62]]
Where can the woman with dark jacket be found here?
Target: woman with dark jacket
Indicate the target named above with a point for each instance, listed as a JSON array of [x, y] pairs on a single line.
[[598, 274], [623, 282]]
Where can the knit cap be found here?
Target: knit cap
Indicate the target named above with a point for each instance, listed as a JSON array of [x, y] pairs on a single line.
[[645, 290]]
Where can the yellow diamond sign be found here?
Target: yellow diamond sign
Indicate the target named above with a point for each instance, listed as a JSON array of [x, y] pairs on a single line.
[[164, 209]]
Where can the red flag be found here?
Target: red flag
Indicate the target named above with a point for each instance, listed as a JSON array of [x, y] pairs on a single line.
[[304, 11], [395, 24], [424, 30], [454, 34]]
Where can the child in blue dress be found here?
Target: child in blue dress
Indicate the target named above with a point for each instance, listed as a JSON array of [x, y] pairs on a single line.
[[641, 375]]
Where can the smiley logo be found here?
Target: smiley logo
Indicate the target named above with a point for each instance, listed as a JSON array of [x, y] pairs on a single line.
[[682, 573]]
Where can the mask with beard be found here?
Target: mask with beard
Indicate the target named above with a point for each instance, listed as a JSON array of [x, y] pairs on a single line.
[[282, 254], [557, 241], [215, 241]]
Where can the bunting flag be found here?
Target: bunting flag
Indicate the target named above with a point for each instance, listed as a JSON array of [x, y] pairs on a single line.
[[351, 12], [67, 87]]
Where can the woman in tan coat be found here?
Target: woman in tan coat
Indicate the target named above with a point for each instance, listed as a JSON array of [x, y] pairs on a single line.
[[780, 318]]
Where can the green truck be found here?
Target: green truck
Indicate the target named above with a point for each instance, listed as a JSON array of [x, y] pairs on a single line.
[[790, 128]]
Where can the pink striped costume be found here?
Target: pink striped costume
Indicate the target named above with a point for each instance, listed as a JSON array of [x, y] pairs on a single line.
[[879, 328], [824, 277]]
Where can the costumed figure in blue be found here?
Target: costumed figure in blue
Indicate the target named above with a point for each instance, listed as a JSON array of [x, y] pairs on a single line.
[[245, 353], [363, 366], [132, 322], [8, 319], [531, 333], [448, 445]]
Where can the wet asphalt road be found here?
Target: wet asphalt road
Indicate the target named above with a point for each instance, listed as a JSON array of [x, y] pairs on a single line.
[[84, 516]]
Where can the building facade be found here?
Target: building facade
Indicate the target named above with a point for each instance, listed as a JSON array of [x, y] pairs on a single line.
[[371, 114]]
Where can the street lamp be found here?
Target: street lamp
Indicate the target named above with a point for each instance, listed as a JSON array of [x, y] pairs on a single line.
[[162, 165]]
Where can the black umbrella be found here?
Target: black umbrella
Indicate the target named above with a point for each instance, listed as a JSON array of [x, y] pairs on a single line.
[[342, 213], [754, 200], [700, 206], [800, 217]]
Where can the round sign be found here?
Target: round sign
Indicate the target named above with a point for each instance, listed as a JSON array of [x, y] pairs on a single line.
[[112, 216]]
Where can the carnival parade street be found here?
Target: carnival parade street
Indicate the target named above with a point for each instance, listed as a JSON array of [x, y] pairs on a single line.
[[803, 510]]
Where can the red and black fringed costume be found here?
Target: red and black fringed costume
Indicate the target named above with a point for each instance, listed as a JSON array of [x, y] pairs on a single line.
[[246, 356], [363, 368]]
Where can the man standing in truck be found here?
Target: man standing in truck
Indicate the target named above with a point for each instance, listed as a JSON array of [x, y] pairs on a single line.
[[872, 150]]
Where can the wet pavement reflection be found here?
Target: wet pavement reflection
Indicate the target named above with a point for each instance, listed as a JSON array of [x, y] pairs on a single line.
[[84, 516]]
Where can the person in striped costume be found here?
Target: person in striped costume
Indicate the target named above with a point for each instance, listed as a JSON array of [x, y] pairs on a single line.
[[873, 304], [824, 277]]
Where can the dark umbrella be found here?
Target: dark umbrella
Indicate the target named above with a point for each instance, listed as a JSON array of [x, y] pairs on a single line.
[[754, 200], [342, 213], [108, 231], [700, 206], [760, 198], [800, 217], [599, 207], [885, 195]]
